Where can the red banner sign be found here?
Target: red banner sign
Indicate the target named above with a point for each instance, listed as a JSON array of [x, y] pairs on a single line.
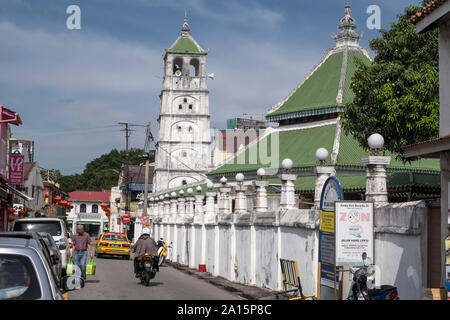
[[144, 219], [126, 219], [16, 168]]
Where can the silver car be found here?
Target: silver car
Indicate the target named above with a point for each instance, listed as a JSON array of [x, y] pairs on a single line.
[[26, 272]]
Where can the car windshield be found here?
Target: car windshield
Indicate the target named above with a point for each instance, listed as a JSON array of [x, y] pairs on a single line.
[[114, 237], [52, 227], [18, 278]]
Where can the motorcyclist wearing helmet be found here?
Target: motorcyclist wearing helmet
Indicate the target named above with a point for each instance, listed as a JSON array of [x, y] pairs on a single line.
[[145, 244]]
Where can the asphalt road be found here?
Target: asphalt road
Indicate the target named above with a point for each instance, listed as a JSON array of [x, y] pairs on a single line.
[[114, 280]]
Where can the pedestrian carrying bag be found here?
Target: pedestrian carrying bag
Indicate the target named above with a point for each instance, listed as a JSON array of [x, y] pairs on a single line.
[[90, 267], [70, 268]]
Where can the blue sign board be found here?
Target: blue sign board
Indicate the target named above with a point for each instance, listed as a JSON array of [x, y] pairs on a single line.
[[331, 192]]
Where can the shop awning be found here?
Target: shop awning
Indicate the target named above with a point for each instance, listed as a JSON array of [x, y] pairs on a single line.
[[19, 193]]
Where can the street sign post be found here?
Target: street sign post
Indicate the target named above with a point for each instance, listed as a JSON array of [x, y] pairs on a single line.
[[327, 275]]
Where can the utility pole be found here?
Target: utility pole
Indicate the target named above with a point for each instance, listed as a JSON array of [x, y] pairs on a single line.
[[147, 159], [127, 135]]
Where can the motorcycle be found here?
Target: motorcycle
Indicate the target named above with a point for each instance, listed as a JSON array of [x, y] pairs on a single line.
[[162, 250], [359, 286], [146, 269]]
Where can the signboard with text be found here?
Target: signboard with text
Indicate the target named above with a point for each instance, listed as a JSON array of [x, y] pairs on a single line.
[[126, 219], [354, 232], [331, 192], [16, 169]]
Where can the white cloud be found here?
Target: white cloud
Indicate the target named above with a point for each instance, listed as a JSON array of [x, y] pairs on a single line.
[[242, 12], [78, 80]]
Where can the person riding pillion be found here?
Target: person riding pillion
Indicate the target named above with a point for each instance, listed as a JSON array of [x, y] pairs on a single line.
[[145, 244]]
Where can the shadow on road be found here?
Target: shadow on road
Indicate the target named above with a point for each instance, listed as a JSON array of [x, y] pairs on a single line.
[[152, 284], [92, 281]]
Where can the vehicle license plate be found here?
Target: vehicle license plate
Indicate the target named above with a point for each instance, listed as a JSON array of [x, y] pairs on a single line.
[[147, 264], [115, 245]]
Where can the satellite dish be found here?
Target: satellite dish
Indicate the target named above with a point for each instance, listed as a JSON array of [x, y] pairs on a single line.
[[211, 76], [178, 73]]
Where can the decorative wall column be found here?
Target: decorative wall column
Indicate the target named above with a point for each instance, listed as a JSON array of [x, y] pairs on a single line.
[[173, 206], [190, 203], [376, 182], [323, 172], [166, 205], [210, 210], [198, 211], [261, 193], [182, 204], [241, 199], [161, 208], [224, 197], [287, 200]]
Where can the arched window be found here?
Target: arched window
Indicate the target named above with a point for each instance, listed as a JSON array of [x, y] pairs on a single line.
[[194, 68], [94, 208], [177, 65], [82, 207]]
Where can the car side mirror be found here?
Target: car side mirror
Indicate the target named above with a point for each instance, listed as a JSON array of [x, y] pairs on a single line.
[[70, 283]]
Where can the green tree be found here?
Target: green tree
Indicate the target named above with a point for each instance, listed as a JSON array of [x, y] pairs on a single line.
[[397, 95], [51, 175], [102, 173]]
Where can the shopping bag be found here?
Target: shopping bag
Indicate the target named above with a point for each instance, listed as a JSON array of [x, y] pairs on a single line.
[[70, 268], [90, 267]]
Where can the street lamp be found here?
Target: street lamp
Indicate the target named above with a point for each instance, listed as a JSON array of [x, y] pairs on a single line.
[[287, 164], [321, 156], [376, 143]]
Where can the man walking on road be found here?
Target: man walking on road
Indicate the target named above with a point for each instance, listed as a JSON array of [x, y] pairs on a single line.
[[81, 244]]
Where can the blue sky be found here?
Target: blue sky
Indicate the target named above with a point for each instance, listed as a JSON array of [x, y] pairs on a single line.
[[71, 87]]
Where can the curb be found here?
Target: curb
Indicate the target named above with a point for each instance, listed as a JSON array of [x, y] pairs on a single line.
[[241, 290]]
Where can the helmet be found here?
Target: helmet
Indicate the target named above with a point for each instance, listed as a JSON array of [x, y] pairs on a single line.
[[146, 231]]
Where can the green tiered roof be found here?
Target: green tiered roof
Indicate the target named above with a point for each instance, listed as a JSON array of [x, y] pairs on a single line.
[[321, 88], [185, 43], [300, 146]]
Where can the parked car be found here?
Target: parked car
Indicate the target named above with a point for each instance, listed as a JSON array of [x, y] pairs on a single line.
[[113, 244], [55, 227], [55, 254], [26, 272]]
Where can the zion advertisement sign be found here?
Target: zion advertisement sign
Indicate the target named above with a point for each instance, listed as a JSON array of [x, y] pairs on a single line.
[[354, 232]]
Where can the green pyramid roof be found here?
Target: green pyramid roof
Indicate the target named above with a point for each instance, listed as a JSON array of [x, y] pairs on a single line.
[[319, 91], [185, 45]]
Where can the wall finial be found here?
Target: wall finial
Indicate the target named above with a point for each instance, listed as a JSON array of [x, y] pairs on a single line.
[[347, 24], [185, 30]]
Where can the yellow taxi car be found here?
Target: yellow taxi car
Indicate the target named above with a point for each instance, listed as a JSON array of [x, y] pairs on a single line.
[[112, 243]]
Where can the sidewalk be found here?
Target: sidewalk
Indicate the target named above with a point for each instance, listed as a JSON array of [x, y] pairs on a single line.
[[245, 291]]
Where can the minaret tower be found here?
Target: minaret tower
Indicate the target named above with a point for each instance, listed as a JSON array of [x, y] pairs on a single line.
[[183, 153]]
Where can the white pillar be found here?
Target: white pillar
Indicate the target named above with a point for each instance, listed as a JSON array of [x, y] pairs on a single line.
[[287, 190], [241, 199], [260, 196], [182, 206], [198, 211], [190, 207], [167, 206], [376, 184], [224, 200]]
